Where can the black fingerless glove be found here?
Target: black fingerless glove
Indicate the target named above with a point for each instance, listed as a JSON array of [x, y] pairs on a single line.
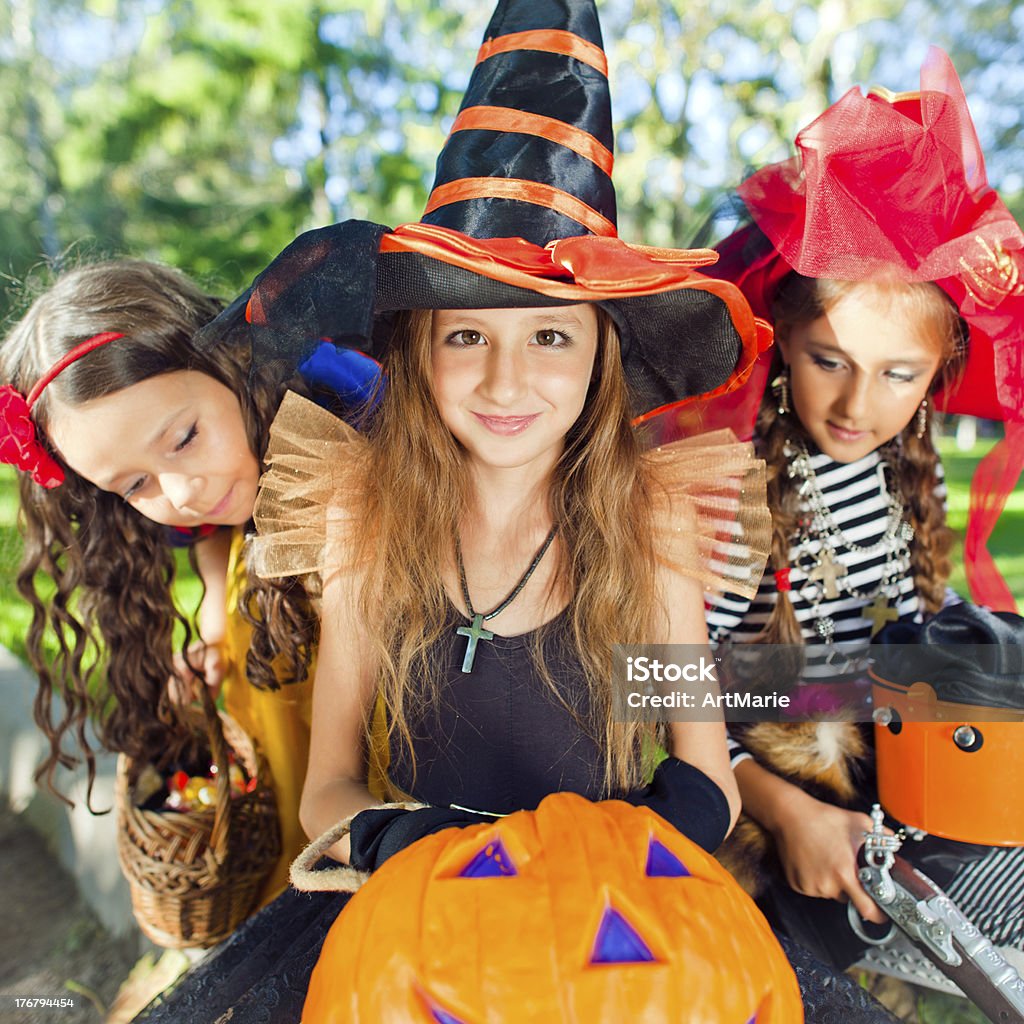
[[377, 834], [688, 800]]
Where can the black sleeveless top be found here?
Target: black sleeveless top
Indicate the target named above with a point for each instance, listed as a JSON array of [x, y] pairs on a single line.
[[499, 739]]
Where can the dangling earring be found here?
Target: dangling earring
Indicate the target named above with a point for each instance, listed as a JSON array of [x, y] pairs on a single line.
[[922, 418], [780, 390]]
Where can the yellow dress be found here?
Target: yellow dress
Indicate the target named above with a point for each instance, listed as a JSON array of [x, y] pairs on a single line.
[[278, 721]]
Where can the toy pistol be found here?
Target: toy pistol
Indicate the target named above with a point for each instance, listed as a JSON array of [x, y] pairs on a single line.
[[919, 908]]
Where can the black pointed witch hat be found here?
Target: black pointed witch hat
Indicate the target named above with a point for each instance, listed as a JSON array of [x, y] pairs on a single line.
[[522, 214], [530, 153]]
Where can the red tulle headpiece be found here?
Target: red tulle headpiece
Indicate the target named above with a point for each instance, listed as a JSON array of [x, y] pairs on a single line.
[[893, 186]]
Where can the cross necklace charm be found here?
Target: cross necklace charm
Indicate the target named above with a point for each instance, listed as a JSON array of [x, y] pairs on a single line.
[[475, 631], [880, 613], [827, 572], [828, 577]]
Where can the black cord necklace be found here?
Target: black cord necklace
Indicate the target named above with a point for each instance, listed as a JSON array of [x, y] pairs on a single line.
[[475, 630]]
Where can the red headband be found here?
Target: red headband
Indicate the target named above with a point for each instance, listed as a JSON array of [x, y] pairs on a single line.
[[19, 445]]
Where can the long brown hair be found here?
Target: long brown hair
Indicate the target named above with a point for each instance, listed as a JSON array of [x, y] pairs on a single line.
[[417, 497], [97, 574], [801, 300]]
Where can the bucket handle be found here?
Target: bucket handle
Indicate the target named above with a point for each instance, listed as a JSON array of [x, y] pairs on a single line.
[[342, 878], [220, 832]]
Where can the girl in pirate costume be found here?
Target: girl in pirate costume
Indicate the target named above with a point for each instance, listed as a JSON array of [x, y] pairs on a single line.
[[499, 527], [134, 438], [891, 272]]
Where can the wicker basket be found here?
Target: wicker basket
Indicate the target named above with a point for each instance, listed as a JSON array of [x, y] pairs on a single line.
[[194, 876]]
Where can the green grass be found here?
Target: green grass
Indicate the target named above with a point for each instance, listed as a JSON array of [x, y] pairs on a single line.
[[940, 1008], [15, 614]]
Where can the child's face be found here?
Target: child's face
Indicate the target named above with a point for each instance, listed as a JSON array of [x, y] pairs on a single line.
[[509, 383], [174, 447], [858, 373]]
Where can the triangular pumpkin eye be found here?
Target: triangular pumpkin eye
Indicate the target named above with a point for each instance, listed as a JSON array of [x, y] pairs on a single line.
[[618, 942], [492, 861], [663, 863]]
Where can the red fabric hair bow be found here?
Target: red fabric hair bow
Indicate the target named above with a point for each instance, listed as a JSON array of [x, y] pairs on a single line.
[[19, 445]]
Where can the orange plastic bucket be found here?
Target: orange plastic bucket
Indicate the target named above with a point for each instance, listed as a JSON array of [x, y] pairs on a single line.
[[954, 770]]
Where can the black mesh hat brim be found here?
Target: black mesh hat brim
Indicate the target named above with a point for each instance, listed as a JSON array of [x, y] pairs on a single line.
[[335, 283], [674, 345]]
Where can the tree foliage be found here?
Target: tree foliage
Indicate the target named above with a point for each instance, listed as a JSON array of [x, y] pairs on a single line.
[[207, 134]]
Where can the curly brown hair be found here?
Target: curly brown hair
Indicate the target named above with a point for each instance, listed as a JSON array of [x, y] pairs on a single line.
[[801, 300], [97, 574]]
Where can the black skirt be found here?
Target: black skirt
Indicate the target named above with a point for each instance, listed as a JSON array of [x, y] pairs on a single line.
[[260, 975]]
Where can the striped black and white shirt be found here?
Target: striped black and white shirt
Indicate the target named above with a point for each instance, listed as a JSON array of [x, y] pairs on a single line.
[[858, 498], [856, 495]]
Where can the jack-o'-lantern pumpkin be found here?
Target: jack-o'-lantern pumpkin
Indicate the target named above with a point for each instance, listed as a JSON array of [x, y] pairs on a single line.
[[575, 912]]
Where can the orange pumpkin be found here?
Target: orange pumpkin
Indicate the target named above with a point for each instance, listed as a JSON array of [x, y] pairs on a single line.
[[576, 912]]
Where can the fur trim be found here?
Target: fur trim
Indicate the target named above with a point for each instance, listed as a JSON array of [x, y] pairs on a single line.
[[827, 759]]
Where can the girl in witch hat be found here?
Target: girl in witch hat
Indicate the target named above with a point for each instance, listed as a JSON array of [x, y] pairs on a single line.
[[510, 530], [895, 279], [499, 528], [132, 441]]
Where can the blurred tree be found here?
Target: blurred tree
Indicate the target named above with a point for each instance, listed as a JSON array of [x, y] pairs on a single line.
[[704, 93], [208, 135], [174, 144], [28, 167]]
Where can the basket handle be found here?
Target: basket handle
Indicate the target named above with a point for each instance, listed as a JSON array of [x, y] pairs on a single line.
[[343, 878], [220, 832]]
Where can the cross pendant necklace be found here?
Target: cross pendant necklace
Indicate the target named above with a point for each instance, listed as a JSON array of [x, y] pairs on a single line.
[[824, 569], [880, 613], [827, 572], [475, 631]]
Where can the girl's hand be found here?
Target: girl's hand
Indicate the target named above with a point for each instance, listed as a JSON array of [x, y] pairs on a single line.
[[818, 844], [687, 799], [204, 662], [380, 832]]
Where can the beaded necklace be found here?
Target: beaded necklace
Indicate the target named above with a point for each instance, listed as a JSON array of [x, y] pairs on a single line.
[[819, 540]]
